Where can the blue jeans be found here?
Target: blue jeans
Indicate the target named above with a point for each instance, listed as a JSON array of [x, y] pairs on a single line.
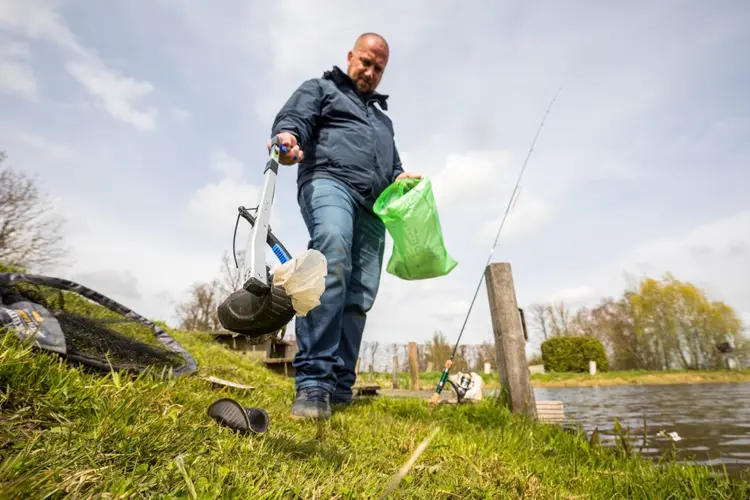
[[352, 239]]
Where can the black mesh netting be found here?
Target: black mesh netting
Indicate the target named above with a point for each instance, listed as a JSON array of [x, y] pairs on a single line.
[[99, 333]]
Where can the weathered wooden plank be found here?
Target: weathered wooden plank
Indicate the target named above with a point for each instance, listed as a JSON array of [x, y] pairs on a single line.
[[413, 366], [550, 411]]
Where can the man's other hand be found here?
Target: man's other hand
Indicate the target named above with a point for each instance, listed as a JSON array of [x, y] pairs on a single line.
[[408, 175], [293, 153]]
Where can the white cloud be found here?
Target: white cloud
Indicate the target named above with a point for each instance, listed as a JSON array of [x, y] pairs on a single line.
[[37, 19], [212, 208], [146, 271], [118, 95], [122, 283], [574, 295], [17, 78], [16, 74], [526, 218], [469, 178], [180, 114], [714, 256], [51, 149]]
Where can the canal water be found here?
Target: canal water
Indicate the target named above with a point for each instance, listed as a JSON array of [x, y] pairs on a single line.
[[711, 421]]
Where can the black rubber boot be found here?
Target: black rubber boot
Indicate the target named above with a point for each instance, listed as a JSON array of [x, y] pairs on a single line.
[[230, 413], [312, 402]]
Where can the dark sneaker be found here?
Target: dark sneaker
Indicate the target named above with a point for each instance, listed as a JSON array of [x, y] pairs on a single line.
[[312, 402], [340, 401]]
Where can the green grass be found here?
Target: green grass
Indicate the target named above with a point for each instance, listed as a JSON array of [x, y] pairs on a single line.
[[67, 432]]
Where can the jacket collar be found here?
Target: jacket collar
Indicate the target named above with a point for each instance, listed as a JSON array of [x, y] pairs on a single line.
[[340, 78]]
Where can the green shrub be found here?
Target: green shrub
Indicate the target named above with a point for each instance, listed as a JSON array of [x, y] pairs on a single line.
[[572, 354]]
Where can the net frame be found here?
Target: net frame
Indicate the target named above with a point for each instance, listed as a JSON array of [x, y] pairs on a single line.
[[69, 319]]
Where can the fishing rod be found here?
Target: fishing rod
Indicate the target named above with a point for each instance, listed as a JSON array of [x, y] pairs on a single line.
[[449, 361]]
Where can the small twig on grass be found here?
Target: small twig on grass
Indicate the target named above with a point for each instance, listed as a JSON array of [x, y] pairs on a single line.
[[408, 465]]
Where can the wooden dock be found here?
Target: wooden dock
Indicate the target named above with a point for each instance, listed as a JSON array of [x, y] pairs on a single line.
[[550, 412]]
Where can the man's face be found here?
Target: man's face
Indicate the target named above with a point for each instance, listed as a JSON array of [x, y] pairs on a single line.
[[367, 61]]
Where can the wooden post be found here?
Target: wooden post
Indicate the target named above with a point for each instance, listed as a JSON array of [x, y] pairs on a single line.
[[414, 366], [372, 373], [510, 344], [395, 366]]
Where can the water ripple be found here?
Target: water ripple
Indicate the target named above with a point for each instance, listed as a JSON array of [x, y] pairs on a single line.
[[712, 420]]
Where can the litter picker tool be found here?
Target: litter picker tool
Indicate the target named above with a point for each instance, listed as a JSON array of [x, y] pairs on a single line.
[[449, 361], [266, 302]]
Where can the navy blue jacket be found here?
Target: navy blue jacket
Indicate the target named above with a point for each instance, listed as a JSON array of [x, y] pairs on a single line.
[[343, 134]]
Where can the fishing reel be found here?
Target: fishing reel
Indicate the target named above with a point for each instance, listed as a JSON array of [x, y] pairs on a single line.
[[464, 382]]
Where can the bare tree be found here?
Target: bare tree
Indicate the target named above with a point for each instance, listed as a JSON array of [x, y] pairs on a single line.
[[373, 351], [540, 319], [486, 353], [30, 230], [231, 273], [560, 319], [198, 312]]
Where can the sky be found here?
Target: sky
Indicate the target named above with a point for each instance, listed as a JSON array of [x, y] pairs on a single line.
[[147, 121]]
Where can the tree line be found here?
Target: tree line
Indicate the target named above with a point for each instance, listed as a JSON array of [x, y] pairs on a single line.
[[31, 229], [198, 312], [658, 324], [431, 355]]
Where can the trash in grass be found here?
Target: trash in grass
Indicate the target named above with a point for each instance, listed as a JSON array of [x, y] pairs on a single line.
[[303, 279], [230, 413]]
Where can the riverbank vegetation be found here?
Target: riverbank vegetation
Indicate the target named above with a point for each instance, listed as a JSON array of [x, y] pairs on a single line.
[[639, 377], [658, 324], [428, 380], [68, 432]]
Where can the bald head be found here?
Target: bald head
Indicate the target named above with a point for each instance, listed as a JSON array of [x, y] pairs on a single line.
[[370, 39], [367, 61]]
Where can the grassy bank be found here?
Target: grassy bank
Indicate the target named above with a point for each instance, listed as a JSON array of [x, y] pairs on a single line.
[[428, 380], [637, 378], [65, 431]]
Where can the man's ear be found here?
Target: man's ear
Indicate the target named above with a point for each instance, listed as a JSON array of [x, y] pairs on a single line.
[[349, 56]]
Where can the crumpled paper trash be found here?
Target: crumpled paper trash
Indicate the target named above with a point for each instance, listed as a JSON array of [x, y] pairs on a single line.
[[303, 279]]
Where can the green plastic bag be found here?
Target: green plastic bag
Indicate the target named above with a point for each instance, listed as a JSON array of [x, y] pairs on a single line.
[[408, 210]]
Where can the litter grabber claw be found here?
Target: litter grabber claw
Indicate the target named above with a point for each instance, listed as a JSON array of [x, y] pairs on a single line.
[[267, 302], [259, 308]]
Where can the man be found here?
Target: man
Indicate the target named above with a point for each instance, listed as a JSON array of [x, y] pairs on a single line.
[[347, 156]]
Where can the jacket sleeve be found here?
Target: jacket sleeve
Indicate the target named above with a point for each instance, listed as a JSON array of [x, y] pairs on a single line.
[[398, 169], [300, 113]]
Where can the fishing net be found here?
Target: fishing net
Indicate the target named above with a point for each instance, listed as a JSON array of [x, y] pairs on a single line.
[[86, 327]]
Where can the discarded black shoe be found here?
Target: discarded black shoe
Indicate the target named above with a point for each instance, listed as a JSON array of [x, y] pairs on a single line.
[[230, 413]]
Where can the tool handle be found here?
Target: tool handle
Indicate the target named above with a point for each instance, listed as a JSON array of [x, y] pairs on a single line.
[[441, 383], [276, 147]]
